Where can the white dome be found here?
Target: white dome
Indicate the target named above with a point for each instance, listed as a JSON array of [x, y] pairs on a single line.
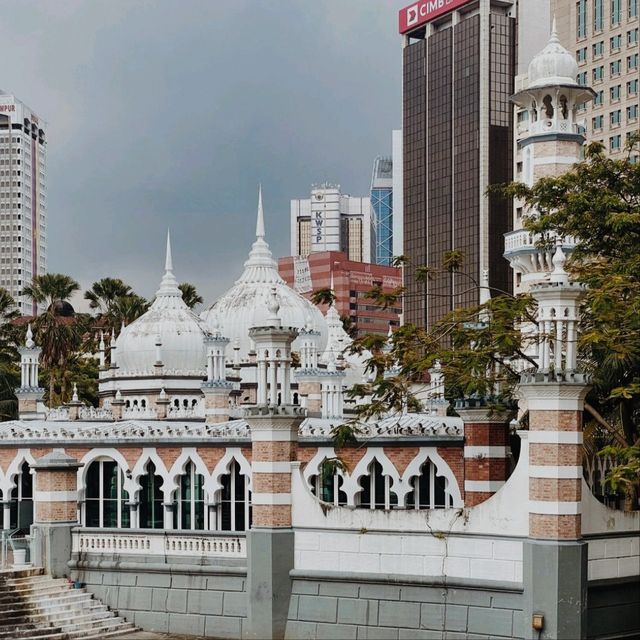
[[171, 323], [241, 307], [554, 65]]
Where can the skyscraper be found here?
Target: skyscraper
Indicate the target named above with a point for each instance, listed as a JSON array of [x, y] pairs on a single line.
[[604, 36], [382, 209], [23, 198], [459, 64], [332, 221]]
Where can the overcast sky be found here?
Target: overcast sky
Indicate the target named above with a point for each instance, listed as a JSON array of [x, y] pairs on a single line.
[[169, 113]]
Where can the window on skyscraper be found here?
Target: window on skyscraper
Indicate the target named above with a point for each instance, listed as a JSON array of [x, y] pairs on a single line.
[[615, 42], [616, 12], [598, 49], [633, 8], [597, 15], [615, 143], [582, 18], [632, 62]]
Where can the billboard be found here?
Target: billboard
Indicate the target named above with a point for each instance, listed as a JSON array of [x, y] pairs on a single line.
[[424, 11]]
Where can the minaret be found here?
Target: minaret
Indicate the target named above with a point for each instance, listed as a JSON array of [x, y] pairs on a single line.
[[552, 146], [274, 425], [554, 392], [30, 394], [216, 389]]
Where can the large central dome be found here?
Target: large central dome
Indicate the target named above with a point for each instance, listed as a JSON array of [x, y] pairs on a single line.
[[168, 322], [234, 313]]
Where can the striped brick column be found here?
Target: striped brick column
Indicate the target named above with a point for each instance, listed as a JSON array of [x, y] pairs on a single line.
[[486, 450], [555, 457], [55, 510], [216, 401], [270, 542]]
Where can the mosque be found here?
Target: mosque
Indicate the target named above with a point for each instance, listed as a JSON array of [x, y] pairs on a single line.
[[204, 496]]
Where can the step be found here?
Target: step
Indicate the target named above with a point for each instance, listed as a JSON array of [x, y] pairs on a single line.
[[42, 591], [56, 599], [22, 573], [15, 634], [52, 606], [60, 618], [127, 627]]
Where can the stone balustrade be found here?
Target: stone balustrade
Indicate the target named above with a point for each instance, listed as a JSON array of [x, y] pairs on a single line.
[[157, 543]]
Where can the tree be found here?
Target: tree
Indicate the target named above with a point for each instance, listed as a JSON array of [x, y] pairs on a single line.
[[190, 295], [597, 203], [105, 292], [323, 296], [126, 309], [50, 288], [9, 372]]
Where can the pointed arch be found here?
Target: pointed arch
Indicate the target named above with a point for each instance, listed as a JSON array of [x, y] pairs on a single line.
[[213, 484], [426, 454], [14, 468], [189, 454], [352, 485], [150, 454], [96, 454]]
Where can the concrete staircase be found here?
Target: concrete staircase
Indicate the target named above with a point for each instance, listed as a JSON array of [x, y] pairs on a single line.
[[36, 606]]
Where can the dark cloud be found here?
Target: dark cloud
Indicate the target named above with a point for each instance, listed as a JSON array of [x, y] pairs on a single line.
[[169, 113]]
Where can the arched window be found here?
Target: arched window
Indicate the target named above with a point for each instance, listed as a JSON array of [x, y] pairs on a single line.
[[327, 485], [429, 489], [376, 489], [189, 512], [21, 507], [547, 105], [296, 398], [106, 498], [234, 508], [151, 508], [563, 106]]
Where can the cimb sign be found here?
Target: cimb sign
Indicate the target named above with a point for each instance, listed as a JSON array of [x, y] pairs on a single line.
[[421, 12]]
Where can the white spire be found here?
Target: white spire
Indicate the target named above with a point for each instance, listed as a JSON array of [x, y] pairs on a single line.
[[168, 284], [553, 38], [168, 262], [74, 397], [260, 265], [260, 219]]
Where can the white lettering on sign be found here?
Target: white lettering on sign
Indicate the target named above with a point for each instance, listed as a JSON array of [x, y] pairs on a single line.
[[302, 282], [318, 223]]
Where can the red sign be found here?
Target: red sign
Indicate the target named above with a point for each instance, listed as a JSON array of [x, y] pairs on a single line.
[[7, 107], [424, 11]]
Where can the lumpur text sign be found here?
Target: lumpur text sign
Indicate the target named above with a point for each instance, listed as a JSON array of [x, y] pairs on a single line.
[[423, 11]]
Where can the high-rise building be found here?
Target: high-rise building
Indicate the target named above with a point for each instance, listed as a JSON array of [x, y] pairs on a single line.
[[332, 221], [351, 283], [459, 64], [382, 209], [396, 159], [604, 36], [23, 198]]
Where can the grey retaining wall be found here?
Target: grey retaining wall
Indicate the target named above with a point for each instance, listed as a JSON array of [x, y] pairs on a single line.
[[176, 597], [361, 606]]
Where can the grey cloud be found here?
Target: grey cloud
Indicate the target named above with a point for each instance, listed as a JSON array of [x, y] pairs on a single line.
[[170, 113]]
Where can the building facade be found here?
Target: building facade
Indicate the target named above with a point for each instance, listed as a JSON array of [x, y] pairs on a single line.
[[396, 160], [332, 221], [458, 71], [23, 198], [382, 209], [350, 281], [603, 34]]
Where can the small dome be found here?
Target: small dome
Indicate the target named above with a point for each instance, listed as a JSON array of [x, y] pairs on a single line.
[[62, 309], [246, 304], [554, 65], [170, 323]]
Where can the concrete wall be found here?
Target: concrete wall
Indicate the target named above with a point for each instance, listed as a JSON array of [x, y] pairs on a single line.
[[183, 598], [357, 606]]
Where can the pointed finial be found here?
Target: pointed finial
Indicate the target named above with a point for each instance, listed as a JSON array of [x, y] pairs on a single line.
[[122, 326], [74, 397], [168, 262], [29, 341], [273, 305], [101, 347], [559, 275], [113, 338], [118, 394], [260, 220], [163, 394], [554, 31]]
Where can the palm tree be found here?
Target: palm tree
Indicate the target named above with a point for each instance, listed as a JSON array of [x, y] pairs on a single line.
[[50, 288], [126, 309], [9, 372], [190, 295], [105, 292]]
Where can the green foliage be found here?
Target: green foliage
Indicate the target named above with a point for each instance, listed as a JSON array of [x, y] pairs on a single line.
[[190, 295], [323, 296], [51, 287]]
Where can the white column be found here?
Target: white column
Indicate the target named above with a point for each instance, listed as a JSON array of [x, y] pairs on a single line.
[[571, 345], [273, 381], [168, 516], [286, 381], [6, 514], [209, 367], [262, 382]]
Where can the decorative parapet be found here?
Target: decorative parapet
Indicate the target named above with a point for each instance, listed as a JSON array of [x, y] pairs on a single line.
[[160, 544], [38, 431]]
